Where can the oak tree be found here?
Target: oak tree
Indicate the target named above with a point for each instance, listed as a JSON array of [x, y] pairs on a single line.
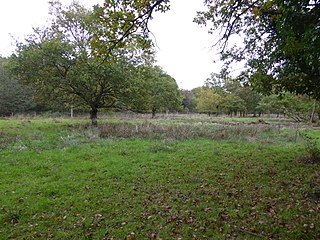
[[86, 56], [281, 41]]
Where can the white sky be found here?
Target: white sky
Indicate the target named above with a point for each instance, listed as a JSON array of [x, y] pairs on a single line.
[[183, 51]]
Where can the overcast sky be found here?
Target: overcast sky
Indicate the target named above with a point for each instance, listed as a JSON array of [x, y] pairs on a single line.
[[183, 48]]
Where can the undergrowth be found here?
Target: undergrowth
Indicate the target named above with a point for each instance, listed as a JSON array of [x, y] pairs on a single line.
[[190, 131], [312, 150]]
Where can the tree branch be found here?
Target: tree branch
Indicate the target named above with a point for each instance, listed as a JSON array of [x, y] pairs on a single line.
[[134, 27], [231, 23]]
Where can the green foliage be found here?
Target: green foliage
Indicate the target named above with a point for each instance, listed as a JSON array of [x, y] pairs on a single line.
[[86, 57], [270, 104], [14, 98], [281, 41], [236, 97], [188, 101], [121, 20], [312, 154], [208, 101], [164, 92], [231, 103], [153, 90], [296, 107], [249, 97]]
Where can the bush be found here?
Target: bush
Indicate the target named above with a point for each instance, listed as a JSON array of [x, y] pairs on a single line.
[[312, 149]]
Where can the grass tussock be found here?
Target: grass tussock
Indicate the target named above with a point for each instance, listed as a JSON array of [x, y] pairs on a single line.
[[188, 131]]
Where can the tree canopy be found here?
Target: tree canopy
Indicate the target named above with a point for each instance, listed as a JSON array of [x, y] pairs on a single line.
[[86, 56], [281, 41], [153, 90], [208, 101], [14, 98]]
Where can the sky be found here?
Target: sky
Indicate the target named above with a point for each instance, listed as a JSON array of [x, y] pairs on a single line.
[[184, 49]]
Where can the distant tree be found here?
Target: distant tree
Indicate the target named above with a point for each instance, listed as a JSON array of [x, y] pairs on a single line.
[[86, 56], [165, 93], [225, 85], [151, 89], [298, 107], [232, 104], [14, 98], [196, 91], [137, 96], [281, 41], [248, 96], [188, 100], [219, 81], [251, 99], [208, 101], [216, 80], [271, 104]]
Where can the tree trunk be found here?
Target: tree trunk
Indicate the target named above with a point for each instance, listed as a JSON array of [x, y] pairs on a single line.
[[313, 112], [94, 116], [71, 112], [153, 112]]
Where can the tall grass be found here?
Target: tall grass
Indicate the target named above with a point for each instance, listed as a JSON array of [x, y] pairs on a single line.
[[193, 131]]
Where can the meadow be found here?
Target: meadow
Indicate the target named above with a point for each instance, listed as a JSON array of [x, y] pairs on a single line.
[[163, 178]]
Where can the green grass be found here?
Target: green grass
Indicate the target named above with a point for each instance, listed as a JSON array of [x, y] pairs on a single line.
[[61, 180]]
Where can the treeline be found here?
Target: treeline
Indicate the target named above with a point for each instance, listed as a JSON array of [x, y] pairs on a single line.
[[224, 95], [149, 89], [103, 59]]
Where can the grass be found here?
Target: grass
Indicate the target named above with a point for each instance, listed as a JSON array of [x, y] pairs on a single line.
[[64, 180]]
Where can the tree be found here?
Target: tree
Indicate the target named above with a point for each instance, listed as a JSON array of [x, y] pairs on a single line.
[[231, 89], [231, 103], [208, 101], [123, 19], [86, 56], [137, 97], [14, 97], [281, 41], [250, 97], [165, 92], [298, 107], [151, 89], [218, 81], [188, 100], [271, 104]]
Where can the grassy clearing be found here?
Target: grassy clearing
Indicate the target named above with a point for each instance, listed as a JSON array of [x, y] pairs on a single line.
[[65, 180]]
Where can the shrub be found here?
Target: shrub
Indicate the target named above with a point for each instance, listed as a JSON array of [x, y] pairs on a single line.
[[312, 148]]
